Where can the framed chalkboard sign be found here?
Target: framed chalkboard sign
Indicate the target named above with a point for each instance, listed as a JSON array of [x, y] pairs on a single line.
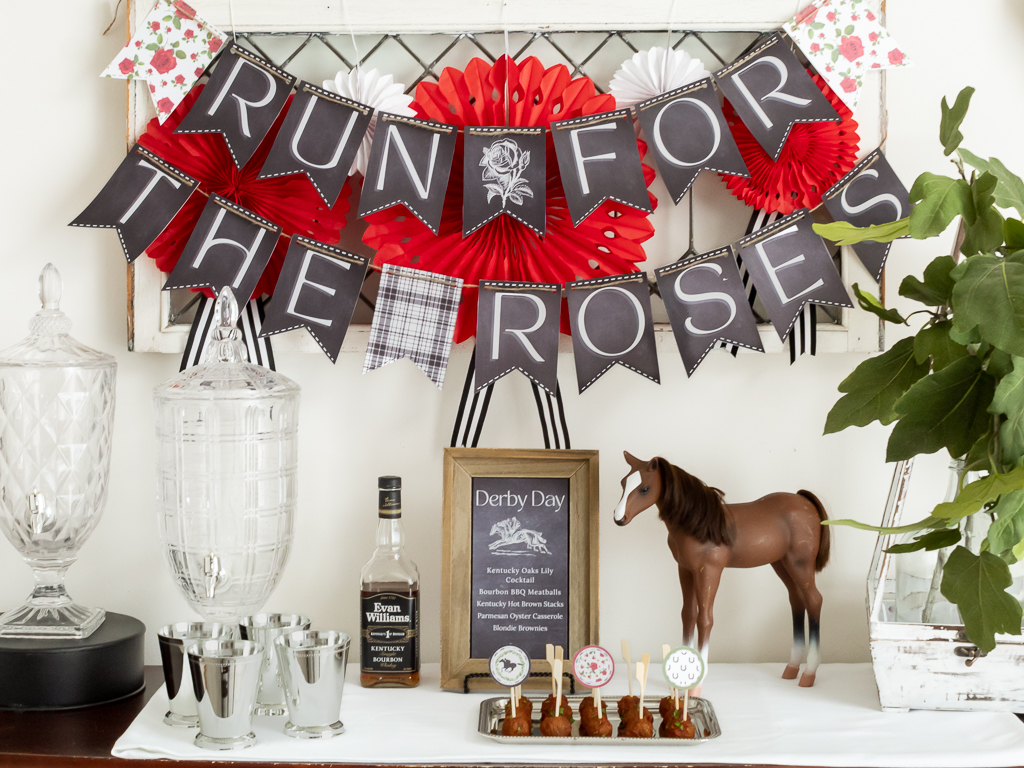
[[520, 557]]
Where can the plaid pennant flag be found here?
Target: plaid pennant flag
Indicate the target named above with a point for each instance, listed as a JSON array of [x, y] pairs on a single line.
[[414, 318]]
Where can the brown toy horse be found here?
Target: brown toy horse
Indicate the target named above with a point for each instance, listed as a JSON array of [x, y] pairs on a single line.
[[706, 535]]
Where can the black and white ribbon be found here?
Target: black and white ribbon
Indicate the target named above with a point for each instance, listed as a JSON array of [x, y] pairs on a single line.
[[803, 339], [469, 420], [250, 320]]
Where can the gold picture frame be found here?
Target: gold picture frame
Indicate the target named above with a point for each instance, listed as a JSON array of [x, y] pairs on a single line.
[[461, 467]]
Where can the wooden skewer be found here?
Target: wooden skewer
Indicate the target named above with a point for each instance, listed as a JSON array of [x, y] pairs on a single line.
[[686, 704], [629, 664], [549, 654], [559, 656], [641, 676], [513, 692], [666, 649], [558, 687]]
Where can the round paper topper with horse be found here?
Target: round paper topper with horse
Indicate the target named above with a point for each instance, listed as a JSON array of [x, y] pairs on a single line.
[[705, 535], [510, 666]]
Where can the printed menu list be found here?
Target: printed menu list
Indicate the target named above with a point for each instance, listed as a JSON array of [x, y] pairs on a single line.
[[520, 584]]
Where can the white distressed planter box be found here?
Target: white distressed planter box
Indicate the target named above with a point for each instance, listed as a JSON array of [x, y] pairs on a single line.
[[930, 666]]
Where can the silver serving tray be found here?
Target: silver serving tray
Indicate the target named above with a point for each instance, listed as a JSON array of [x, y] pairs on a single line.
[[492, 714]]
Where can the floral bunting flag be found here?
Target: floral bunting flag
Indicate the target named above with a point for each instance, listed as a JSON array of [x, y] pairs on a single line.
[[169, 50], [843, 39]]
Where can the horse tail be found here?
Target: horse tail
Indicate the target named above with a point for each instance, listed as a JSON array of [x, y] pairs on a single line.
[[825, 540]]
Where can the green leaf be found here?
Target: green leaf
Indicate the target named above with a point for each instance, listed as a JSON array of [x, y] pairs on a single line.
[[977, 458], [835, 53], [976, 495], [1013, 234], [989, 294], [941, 200], [933, 342], [152, 47], [947, 409], [977, 585], [920, 525], [984, 233], [874, 387], [180, 54], [845, 233], [176, 22], [937, 288], [874, 306], [939, 539], [849, 30], [949, 127], [1008, 529], [1009, 400], [1009, 192]]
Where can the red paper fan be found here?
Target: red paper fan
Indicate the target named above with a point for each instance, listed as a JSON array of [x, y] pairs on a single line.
[[606, 243], [814, 157], [289, 201]]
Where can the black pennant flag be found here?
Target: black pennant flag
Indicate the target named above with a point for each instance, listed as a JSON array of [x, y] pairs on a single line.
[[139, 200], [707, 305], [517, 328], [770, 91], [871, 193], [317, 290], [611, 323], [229, 246], [687, 133], [791, 266], [409, 164], [319, 137], [598, 160], [504, 171], [241, 102]]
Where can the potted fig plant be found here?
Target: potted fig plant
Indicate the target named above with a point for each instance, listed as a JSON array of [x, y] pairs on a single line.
[[958, 383]]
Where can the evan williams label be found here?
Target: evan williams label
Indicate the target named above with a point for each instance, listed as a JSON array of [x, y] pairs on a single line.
[[390, 633], [389, 503]]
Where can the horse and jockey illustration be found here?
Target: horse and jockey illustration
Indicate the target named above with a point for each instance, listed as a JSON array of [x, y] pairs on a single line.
[[512, 534]]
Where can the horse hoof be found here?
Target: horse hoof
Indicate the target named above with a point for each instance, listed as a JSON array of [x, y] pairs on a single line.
[[807, 680], [790, 672]]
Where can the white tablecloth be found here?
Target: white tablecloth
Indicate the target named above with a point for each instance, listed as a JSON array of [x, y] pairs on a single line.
[[764, 719]]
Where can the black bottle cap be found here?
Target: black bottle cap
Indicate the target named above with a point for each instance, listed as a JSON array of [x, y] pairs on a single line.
[[389, 483]]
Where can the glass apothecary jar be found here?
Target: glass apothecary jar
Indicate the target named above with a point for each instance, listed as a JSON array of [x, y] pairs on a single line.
[[227, 474], [56, 421]]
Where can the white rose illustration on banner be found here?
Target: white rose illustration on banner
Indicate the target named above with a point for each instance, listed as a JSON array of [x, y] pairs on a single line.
[[504, 163]]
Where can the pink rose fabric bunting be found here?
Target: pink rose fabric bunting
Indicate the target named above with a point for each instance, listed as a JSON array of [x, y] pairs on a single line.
[[843, 39], [170, 50]]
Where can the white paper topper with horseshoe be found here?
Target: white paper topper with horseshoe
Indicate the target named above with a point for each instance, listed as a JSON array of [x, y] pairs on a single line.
[[510, 665], [593, 666], [684, 668]]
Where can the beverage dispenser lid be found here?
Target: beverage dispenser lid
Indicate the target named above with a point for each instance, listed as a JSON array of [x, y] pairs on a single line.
[[224, 372], [49, 343]]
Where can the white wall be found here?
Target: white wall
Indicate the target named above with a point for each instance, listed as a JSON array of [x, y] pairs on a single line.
[[749, 425]]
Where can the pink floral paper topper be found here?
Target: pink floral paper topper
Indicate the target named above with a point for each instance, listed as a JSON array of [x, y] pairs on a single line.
[[593, 666], [170, 50], [843, 39]]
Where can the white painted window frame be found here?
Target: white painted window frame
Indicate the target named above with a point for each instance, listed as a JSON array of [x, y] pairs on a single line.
[[148, 307]]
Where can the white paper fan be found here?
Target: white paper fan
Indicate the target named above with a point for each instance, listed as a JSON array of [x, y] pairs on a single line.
[[645, 75], [370, 87]]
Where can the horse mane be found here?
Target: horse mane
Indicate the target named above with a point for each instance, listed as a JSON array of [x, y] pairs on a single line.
[[690, 504]]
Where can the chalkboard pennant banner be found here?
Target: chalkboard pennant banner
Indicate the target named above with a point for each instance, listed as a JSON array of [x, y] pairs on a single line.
[[320, 137], [598, 160], [687, 133], [241, 101], [611, 323], [770, 91], [504, 172], [409, 164], [139, 200], [707, 305], [517, 329], [414, 318], [791, 266], [229, 246], [317, 290], [871, 193]]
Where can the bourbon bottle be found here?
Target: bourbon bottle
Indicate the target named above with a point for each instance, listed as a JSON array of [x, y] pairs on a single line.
[[390, 601]]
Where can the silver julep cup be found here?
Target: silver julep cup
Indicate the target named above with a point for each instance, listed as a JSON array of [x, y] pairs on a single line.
[[264, 628], [312, 666], [178, 679], [225, 676]]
